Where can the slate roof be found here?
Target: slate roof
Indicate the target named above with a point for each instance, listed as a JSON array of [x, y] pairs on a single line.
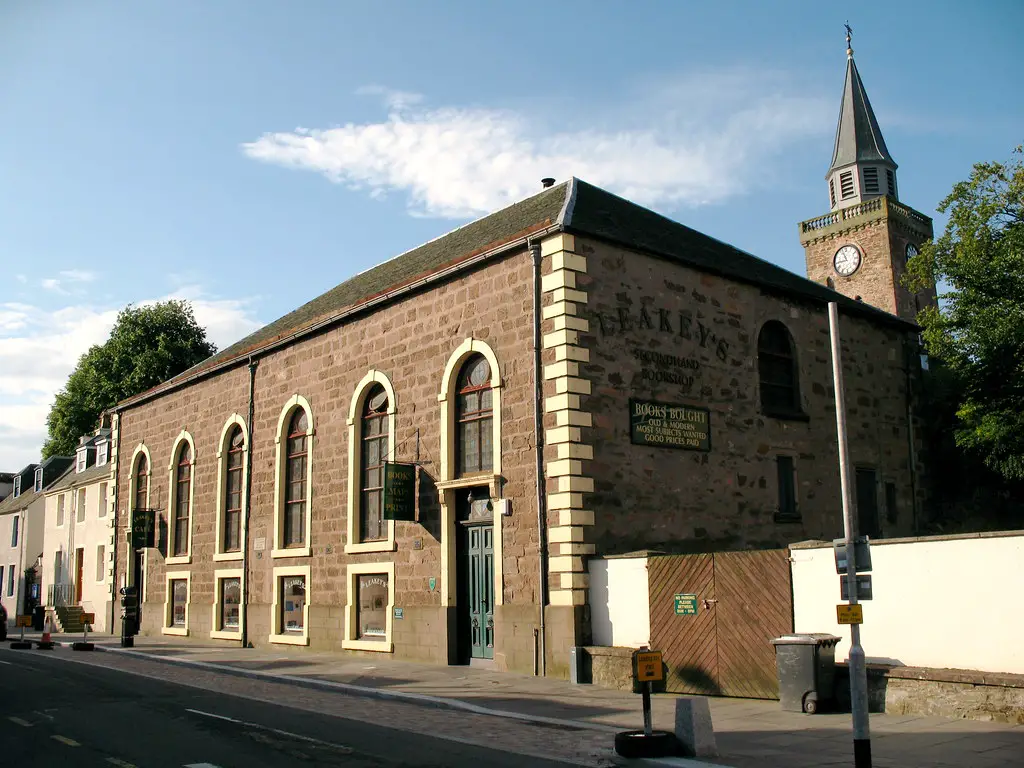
[[72, 479], [12, 504], [858, 137], [574, 206]]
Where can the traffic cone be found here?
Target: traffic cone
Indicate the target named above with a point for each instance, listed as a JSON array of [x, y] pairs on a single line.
[[45, 642]]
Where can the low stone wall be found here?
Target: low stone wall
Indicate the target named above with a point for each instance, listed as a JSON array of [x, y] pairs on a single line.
[[955, 693], [609, 667]]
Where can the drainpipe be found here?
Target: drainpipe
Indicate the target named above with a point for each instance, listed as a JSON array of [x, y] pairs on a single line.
[[253, 364], [908, 359], [540, 645], [115, 451]]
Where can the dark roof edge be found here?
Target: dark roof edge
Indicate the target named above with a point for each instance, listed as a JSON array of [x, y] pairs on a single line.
[[383, 297], [844, 302], [565, 215]]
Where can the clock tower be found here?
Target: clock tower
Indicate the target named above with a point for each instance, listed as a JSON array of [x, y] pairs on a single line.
[[860, 248]]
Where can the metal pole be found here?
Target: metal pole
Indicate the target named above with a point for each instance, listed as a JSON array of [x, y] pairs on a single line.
[[647, 708], [858, 672]]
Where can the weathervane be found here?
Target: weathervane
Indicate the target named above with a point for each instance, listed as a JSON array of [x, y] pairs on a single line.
[[849, 34]]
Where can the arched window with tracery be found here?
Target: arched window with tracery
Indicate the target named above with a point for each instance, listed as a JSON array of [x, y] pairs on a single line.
[[142, 482], [374, 452], [232, 541], [474, 417], [182, 499]]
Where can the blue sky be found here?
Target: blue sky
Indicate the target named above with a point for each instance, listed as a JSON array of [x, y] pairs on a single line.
[[250, 155]]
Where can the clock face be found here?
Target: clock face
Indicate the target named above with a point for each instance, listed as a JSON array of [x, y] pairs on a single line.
[[847, 260], [911, 251]]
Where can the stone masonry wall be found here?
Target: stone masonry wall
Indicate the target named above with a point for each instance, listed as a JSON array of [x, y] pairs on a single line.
[[410, 341], [705, 329]]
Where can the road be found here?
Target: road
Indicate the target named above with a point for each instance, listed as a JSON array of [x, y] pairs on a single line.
[[57, 711]]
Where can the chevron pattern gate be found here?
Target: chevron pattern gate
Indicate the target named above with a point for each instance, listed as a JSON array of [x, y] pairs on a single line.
[[744, 599]]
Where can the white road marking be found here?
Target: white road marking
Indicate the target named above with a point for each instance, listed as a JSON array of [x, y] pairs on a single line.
[[65, 740], [257, 726], [9, 664], [201, 765], [119, 763], [19, 721]]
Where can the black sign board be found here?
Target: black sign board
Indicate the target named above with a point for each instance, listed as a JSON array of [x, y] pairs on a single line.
[[664, 425], [143, 528], [399, 491]]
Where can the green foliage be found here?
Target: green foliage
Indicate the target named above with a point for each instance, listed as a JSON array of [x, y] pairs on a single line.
[[977, 334], [147, 346]]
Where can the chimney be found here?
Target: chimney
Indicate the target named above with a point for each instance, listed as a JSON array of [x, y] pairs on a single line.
[[547, 182]]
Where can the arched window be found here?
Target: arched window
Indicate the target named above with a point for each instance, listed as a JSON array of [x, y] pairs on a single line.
[[182, 499], [474, 417], [232, 541], [374, 453], [777, 369], [295, 486], [142, 482]]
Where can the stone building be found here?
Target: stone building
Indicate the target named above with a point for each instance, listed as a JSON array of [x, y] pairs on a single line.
[[667, 390]]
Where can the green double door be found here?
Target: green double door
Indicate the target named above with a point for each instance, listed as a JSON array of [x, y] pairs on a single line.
[[476, 581]]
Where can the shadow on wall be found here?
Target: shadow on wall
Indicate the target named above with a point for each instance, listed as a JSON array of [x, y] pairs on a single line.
[[697, 681]]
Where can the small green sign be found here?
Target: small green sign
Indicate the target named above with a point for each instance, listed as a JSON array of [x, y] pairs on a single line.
[[399, 491], [432, 582], [143, 528], [399, 613], [686, 605]]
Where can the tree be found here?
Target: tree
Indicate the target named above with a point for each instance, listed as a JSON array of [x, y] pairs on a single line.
[[148, 345], [977, 333]]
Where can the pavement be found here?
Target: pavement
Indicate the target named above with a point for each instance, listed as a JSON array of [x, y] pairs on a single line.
[[576, 722]]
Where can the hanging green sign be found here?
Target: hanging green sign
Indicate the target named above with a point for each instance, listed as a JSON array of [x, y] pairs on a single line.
[[685, 605], [399, 491], [143, 528]]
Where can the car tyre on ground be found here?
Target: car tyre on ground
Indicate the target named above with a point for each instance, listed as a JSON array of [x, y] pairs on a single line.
[[638, 744]]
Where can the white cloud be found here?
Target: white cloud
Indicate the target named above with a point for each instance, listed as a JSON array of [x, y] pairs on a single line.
[[53, 284], [701, 139], [40, 347], [21, 279], [392, 99], [78, 275]]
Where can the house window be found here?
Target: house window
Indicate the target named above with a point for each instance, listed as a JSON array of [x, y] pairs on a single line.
[[786, 472], [867, 503], [182, 500], [142, 482], [103, 500], [58, 566], [233, 492], [80, 508], [891, 512], [372, 607], [295, 481], [38, 480], [60, 509], [374, 453], [777, 370], [17, 486], [890, 178], [102, 453], [101, 565], [179, 602], [80, 465], [846, 187], [14, 530], [293, 603], [871, 180], [474, 417], [10, 580], [230, 604]]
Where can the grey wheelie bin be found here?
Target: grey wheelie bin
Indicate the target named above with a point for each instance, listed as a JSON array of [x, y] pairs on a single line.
[[806, 665]]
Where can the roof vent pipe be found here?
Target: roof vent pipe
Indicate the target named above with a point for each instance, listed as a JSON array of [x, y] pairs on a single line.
[[547, 182]]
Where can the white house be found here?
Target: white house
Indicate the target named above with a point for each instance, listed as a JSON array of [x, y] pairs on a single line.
[[78, 545], [21, 535]]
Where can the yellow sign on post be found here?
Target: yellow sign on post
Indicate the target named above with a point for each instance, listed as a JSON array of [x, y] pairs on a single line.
[[850, 614], [23, 621], [648, 667], [89, 618]]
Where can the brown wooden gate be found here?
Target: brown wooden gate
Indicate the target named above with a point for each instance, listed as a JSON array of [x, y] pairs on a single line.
[[744, 599]]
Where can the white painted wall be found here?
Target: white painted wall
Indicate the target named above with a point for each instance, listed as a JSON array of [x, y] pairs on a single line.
[[23, 555], [88, 534], [620, 602], [949, 602]]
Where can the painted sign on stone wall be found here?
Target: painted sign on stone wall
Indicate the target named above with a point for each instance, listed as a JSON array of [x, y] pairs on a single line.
[[663, 425]]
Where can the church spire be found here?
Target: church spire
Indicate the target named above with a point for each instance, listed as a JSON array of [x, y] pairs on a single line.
[[862, 167]]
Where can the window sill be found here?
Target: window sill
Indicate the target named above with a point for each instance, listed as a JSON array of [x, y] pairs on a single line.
[[471, 481], [785, 415], [290, 639], [292, 552], [178, 560], [178, 631], [220, 634], [388, 545], [784, 519], [368, 645], [223, 557]]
